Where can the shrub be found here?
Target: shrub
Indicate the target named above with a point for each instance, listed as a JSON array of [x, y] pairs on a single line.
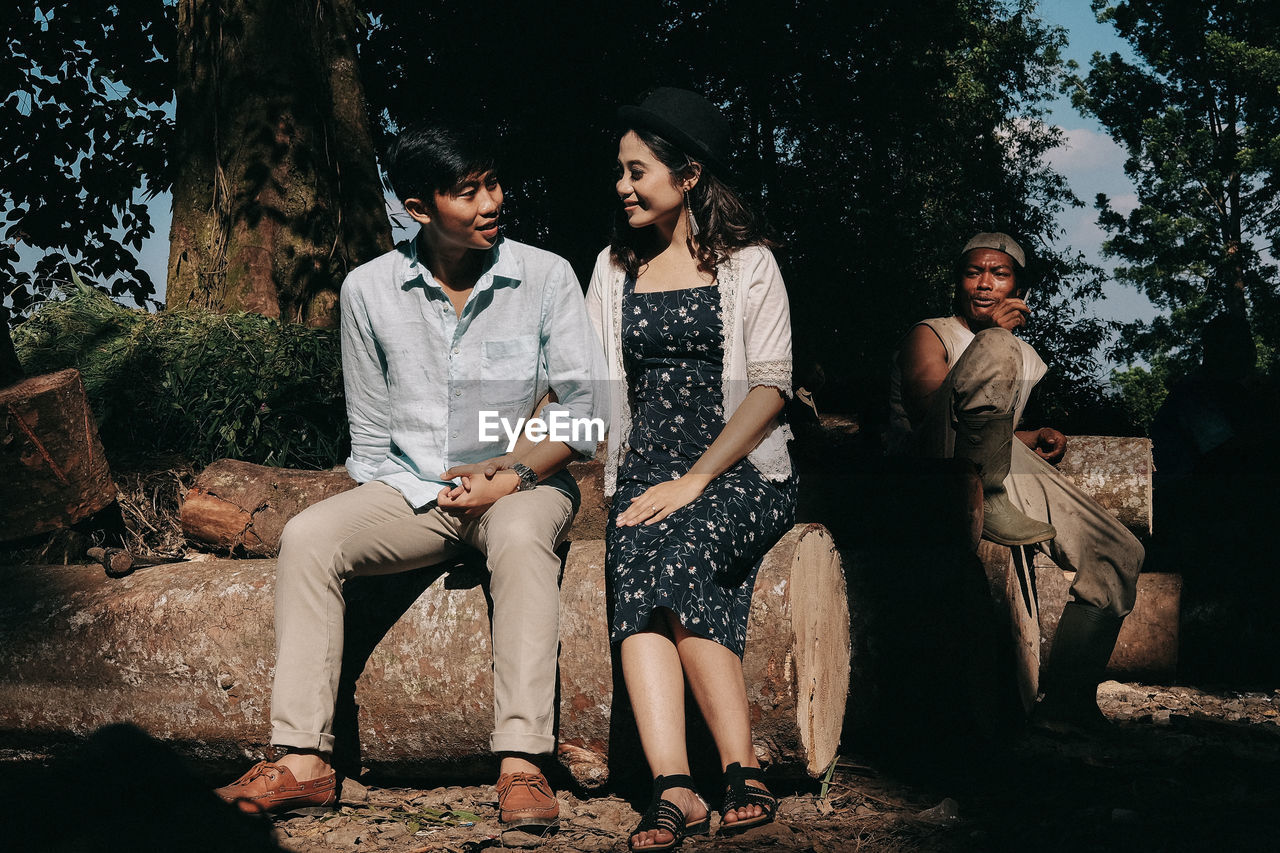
[[193, 382]]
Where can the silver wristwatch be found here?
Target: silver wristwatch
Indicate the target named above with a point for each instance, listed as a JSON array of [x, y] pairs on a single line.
[[528, 477]]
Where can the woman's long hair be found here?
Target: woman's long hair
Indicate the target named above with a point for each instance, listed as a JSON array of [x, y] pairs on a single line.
[[724, 222]]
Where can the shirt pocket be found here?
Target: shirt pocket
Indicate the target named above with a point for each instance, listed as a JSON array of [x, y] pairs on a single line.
[[509, 371]]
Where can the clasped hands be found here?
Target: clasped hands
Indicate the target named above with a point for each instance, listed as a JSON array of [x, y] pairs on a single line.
[[479, 487]]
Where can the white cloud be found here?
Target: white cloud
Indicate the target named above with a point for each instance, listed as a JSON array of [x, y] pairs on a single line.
[[1124, 203], [1085, 150]]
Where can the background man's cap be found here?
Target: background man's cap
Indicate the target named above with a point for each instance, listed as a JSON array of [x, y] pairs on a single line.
[[687, 119], [999, 242]]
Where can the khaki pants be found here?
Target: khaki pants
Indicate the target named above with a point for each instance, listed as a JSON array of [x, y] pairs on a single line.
[[1105, 556], [372, 530]]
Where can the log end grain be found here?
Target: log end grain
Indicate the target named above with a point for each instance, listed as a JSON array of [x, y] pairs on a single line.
[[53, 472], [820, 620], [797, 657]]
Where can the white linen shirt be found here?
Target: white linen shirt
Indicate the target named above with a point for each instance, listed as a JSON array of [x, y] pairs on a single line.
[[417, 375]]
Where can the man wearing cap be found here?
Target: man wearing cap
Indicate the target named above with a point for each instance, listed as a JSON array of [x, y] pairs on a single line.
[[958, 388]]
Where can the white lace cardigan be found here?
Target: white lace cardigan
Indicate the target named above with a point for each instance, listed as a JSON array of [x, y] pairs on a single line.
[[757, 349]]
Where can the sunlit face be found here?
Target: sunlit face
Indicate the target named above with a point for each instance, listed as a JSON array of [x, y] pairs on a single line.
[[648, 190], [465, 216], [987, 278]]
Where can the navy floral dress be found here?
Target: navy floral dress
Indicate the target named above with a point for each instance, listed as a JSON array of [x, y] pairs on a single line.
[[700, 562]]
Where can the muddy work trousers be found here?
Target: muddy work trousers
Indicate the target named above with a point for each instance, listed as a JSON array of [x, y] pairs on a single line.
[[988, 377]]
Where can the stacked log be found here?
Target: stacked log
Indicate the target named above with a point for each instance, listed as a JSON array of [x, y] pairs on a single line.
[[1117, 473], [242, 508], [53, 472], [186, 652], [1147, 648], [956, 630]]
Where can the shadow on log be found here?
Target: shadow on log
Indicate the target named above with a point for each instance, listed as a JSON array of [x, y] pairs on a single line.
[[947, 630]]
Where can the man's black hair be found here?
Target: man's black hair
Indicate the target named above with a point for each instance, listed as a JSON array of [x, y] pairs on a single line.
[[433, 157]]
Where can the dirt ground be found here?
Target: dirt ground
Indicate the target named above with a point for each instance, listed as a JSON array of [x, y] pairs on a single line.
[[1180, 769]]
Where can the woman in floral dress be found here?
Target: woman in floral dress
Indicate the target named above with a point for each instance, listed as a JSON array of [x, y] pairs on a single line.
[[693, 316]]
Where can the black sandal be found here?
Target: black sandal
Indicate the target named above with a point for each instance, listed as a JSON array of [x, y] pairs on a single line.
[[738, 794], [664, 814]]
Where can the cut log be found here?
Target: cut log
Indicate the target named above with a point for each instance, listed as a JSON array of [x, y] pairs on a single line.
[[1147, 648], [974, 642], [242, 506], [186, 652], [1031, 599], [53, 472], [1115, 472]]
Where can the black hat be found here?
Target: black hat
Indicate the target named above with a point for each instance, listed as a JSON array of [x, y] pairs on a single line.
[[686, 119]]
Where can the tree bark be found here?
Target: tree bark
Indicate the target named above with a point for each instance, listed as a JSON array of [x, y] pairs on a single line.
[[1116, 472], [53, 472], [186, 652], [277, 194]]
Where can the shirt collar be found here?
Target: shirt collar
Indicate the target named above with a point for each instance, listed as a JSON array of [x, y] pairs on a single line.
[[501, 267]]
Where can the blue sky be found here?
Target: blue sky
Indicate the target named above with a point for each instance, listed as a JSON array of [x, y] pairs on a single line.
[[1091, 162]]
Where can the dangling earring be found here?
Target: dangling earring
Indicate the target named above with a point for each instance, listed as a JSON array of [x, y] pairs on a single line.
[[693, 223]]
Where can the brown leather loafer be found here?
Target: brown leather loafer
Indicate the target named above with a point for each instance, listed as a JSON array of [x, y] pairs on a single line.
[[525, 799], [271, 787]]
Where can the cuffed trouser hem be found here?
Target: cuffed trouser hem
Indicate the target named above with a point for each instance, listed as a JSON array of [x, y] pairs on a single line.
[[530, 744], [319, 741]]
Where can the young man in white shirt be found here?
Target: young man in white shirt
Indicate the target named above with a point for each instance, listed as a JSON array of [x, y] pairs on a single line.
[[454, 329]]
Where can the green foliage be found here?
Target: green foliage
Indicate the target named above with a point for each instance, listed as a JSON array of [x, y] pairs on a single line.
[[1200, 120], [200, 384], [875, 144], [83, 139], [875, 147], [1139, 392]]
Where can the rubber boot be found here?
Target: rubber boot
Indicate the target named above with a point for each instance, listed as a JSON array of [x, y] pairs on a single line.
[[987, 441], [1081, 648]]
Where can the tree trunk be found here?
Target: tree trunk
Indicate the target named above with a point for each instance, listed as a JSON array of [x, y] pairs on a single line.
[[52, 469], [277, 194], [186, 652]]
